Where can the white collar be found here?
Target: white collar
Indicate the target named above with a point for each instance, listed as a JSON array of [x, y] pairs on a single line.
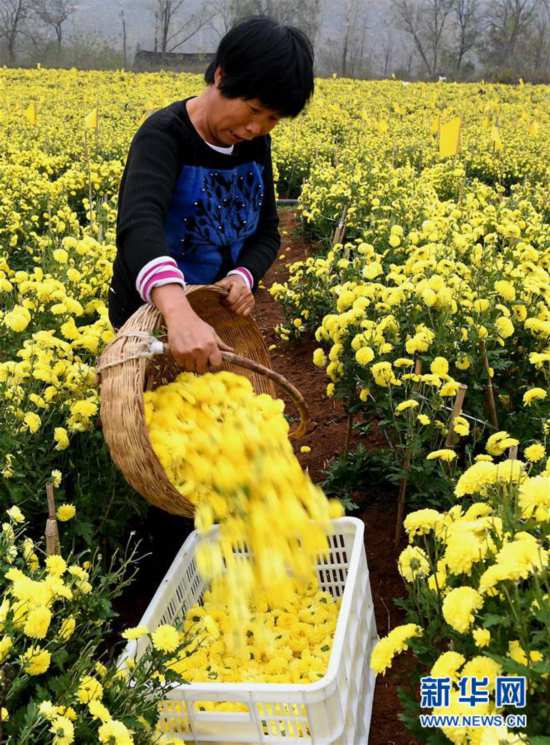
[[228, 150]]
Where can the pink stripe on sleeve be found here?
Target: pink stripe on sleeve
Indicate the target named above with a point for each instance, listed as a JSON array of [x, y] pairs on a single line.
[[245, 273], [162, 274], [166, 263]]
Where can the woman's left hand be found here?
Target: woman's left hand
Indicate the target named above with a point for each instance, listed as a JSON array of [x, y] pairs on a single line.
[[240, 299]]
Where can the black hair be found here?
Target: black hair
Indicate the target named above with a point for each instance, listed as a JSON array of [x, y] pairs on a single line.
[[263, 59]]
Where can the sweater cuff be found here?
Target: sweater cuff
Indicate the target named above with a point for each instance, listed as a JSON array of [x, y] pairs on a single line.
[[160, 271], [245, 274]]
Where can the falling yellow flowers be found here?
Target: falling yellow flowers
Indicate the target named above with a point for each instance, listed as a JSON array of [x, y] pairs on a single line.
[[258, 492]]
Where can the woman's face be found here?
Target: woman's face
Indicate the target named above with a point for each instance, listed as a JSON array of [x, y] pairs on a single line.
[[233, 120]]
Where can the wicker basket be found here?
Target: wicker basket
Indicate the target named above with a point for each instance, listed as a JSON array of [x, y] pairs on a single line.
[[125, 373]]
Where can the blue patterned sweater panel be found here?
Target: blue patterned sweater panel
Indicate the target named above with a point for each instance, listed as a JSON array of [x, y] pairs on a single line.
[[213, 211]]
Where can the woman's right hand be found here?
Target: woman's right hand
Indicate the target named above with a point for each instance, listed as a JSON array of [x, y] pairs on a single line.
[[192, 342]]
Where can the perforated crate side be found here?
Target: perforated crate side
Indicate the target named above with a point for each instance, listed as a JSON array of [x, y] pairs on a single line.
[[331, 712]]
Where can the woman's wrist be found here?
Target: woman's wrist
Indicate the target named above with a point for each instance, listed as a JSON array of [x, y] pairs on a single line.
[[171, 300]]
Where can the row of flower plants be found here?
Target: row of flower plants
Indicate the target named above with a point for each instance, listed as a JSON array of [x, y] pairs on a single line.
[[433, 324], [58, 683], [442, 282], [58, 679]]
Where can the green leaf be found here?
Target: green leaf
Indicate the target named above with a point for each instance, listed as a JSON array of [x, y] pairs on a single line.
[[511, 666], [493, 619], [60, 657], [542, 667]]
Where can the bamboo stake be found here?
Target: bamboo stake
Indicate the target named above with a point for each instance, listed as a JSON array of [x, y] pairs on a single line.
[[462, 185], [513, 452], [340, 231], [457, 411], [401, 497], [405, 478], [490, 390], [349, 431], [52, 533], [89, 170]]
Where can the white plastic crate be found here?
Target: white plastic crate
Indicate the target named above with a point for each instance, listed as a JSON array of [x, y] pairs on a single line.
[[335, 710]]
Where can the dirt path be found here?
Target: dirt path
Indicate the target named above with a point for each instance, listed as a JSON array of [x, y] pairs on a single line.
[[326, 438]]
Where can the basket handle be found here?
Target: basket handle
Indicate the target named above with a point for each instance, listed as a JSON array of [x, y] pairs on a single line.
[[158, 347]]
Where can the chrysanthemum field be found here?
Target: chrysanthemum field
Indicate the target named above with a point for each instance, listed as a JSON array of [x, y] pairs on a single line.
[[426, 287]]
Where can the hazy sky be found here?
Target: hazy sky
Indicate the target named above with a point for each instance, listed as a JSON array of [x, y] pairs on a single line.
[[103, 17]]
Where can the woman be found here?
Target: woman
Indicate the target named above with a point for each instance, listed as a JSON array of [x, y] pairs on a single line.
[[196, 200]]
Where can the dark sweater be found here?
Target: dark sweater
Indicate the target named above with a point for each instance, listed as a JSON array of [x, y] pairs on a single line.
[[179, 198]]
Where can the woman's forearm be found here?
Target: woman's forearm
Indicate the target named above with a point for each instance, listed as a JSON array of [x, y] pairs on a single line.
[[171, 301]]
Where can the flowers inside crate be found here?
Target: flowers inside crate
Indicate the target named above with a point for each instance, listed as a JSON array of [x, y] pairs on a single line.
[[302, 671]]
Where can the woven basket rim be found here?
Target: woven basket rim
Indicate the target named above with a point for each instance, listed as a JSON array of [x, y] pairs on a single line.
[[122, 387]]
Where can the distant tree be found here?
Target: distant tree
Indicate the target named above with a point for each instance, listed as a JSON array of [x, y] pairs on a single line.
[[172, 27], [345, 50], [354, 37], [13, 16], [531, 58], [425, 22], [467, 19], [53, 14], [89, 50], [306, 14], [508, 23], [124, 39], [224, 14], [541, 42], [387, 54]]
